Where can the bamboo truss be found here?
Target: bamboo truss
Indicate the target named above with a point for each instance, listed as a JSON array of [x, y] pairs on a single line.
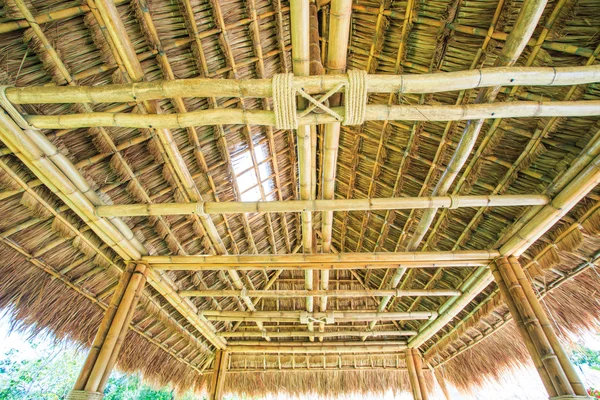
[[262, 88], [319, 205]]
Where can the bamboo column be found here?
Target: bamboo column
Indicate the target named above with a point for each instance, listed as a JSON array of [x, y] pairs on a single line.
[[541, 315], [110, 336], [415, 374], [545, 359], [217, 380]]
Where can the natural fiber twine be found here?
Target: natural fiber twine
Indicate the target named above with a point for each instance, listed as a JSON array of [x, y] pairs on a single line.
[[284, 100], [84, 395]]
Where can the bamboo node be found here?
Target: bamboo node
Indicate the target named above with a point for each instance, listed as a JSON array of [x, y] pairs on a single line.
[[11, 109], [199, 208]]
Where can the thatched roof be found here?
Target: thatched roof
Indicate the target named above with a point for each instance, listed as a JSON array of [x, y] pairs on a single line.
[[58, 273]]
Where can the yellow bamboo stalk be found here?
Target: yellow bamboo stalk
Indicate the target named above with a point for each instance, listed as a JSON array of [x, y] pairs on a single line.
[[328, 293], [320, 349], [298, 259], [415, 385], [316, 84], [547, 327], [419, 372], [319, 205], [287, 334], [120, 318], [217, 381], [515, 109], [341, 316]]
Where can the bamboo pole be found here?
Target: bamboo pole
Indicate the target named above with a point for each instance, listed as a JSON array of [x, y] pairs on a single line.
[[515, 109], [415, 384], [533, 326], [419, 372], [287, 334], [103, 329], [332, 258], [319, 205], [122, 335], [317, 266], [328, 293], [535, 356], [120, 318], [217, 380], [316, 84], [547, 327], [357, 348], [333, 316]]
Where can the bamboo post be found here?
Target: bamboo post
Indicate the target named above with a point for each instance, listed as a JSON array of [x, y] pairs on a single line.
[[415, 384], [419, 369], [529, 333], [110, 336], [103, 329], [217, 380], [547, 327], [114, 332]]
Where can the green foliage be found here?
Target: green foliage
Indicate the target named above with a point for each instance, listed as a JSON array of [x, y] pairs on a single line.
[[585, 356], [51, 373]]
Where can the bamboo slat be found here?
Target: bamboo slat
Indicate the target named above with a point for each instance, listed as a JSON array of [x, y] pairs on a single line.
[[316, 84], [319, 205]]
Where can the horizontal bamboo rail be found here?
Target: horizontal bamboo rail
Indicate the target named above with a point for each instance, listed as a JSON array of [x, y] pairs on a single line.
[[319, 205], [248, 88], [325, 266], [230, 116], [303, 259], [330, 316], [320, 348], [285, 334], [329, 293], [315, 369]]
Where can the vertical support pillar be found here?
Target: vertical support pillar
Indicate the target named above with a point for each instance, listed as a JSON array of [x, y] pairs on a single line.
[[439, 377], [217, 381], [110, 336], [415, 374], [530, 318]]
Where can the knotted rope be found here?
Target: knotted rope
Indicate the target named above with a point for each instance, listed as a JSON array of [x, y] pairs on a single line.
[[355, 101], [284, 99]]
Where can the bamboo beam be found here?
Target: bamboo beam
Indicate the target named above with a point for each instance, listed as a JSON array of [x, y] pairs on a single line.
[[317, 266], [316, 84], [299, 259], [332, 316], [328, 293], [287, 334], [316, 369], [319, 348], [515, 109], [393, 203], [217, 379]]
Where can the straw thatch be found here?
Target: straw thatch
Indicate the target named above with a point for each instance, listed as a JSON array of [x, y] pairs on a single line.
[[58, 273]]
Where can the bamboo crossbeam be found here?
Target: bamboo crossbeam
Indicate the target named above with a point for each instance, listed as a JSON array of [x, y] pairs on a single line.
[[285, 334], [315, 84], [300, 259], [229, 116], [299, 316], [317, 266], [392, 203], [328, 293], [356, 348], [315, 369]]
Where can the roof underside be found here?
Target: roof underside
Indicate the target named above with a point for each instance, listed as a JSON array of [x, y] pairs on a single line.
[[58, 274]]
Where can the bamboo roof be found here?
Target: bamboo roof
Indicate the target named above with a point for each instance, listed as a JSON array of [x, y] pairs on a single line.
[[60, 263]]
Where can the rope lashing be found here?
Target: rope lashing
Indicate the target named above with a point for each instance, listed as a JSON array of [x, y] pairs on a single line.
[[355, 100], [284, 101], [285, 107]]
